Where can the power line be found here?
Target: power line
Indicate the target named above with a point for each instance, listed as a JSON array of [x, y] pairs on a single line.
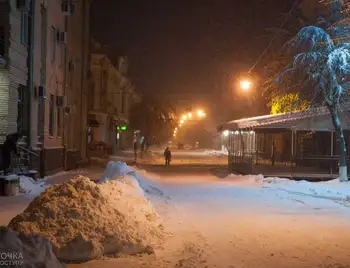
[[275, 36]]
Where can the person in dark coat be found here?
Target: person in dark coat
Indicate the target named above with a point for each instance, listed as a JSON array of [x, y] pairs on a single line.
[[135, 145], [167, 156], [143, 147], [10, 145]]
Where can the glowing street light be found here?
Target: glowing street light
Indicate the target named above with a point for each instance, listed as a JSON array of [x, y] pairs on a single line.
[[201, 113], [182, 121], [184, 117], [189, 115], [180, 125], [245, 85]]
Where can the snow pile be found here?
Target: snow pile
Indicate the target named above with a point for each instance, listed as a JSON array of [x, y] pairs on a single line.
[[333, 190], [19, 250], [115, 169], [272, 180], [148, 187], [223, 152], [84, 220], [30, 186], [118, 170]]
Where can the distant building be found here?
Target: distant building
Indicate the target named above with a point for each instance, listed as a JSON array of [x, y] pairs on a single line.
[[111, 94]]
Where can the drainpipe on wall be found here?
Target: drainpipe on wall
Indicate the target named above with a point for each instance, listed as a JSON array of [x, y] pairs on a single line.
[[83, 70], [30, 65], [65, 132]]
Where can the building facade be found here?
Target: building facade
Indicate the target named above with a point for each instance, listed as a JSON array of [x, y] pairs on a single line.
[[13, 72], [109, 108], [20, 65], [54, 42], [44, 69], [77, 84]]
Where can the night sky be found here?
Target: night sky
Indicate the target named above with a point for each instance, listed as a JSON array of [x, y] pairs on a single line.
[[188, 48]]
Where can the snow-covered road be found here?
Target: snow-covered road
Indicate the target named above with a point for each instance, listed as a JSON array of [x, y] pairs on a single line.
[[235, 221]]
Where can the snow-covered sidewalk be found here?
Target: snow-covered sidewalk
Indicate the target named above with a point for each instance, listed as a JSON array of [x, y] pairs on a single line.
[[332, 190]]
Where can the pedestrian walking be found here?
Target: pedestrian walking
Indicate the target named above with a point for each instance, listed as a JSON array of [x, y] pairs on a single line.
[[167, 156], [143, 146], [135, 145]]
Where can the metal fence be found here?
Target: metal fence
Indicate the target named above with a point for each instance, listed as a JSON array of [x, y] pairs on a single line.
[[287, 166], [254, 153]]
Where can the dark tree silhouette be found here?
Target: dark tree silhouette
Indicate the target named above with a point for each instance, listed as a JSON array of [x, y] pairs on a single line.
[[153, 118]]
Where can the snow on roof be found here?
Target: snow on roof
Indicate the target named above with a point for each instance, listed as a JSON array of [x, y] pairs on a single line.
[[280, 120]]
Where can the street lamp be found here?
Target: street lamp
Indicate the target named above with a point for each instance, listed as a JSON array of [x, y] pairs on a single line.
[[201, 113], [182, 121], [245, 85], [184, 117], [189, 115]]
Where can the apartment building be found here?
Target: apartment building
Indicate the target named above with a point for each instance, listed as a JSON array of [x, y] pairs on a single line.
[[54, 40], [77, 84], [19, 85], [44, 45], [109, 107]]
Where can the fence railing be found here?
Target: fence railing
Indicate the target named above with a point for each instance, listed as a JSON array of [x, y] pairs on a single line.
[[259, 162]]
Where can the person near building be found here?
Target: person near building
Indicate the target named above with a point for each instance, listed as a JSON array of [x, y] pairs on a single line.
[[135, 146], [167, 156], [9, 146]]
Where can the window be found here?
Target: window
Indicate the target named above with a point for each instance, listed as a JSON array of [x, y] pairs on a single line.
[[59, 121], [62, 56], [2, 41], [52, 115], [20, 109], [24, 27], [53, 44]]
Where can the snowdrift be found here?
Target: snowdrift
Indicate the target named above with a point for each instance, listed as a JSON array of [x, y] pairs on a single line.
[[216, 152], [332, 190], [116, 171], [84, 220], [31, 187], [339, 191], [19, 250]]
